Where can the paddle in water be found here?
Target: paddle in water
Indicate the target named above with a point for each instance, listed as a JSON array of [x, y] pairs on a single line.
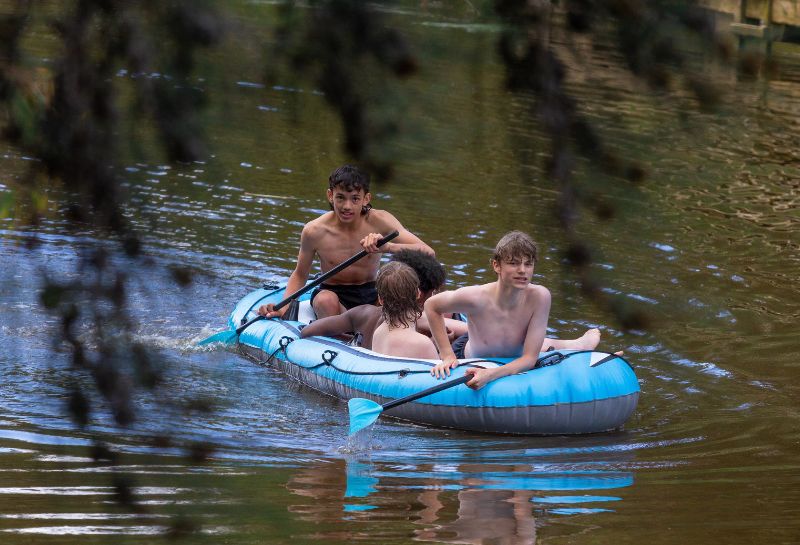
[[230, 336], [364, 412]]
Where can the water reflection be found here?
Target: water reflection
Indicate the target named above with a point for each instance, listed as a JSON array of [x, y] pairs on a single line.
[[461, 501], [321, 489], [482, 516]]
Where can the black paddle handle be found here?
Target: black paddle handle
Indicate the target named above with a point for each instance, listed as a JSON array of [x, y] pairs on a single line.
[[337, 269], [430, 391]]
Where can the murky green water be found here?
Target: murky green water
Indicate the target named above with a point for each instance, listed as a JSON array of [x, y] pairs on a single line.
[[708, 246]]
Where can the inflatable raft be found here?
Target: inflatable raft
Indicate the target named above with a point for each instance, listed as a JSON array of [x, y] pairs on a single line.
[[569, 392]]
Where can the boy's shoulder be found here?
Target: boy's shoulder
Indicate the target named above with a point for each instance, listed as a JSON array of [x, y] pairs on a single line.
[[476, 291], [538, 295], [320, 222], [467, 298], [327, 222], [318, 227], [379, 218], [538, 289]]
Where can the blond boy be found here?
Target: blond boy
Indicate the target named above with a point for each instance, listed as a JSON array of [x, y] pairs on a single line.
[[506, 318]]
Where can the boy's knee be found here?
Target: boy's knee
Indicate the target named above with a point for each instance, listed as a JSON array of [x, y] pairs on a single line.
[[327, 301]]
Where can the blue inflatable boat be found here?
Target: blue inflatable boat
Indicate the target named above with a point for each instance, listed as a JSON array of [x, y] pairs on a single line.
[[569, 392]]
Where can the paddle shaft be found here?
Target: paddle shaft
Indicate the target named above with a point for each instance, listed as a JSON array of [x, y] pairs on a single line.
[[429, 391], [337, 269]]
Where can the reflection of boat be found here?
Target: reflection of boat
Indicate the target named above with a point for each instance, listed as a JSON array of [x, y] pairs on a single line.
[[495, 502], [570, 392]]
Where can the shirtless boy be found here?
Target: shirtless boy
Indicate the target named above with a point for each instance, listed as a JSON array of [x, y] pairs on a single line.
[[398, 293], [352, 225], [506, 318], [364, 319]]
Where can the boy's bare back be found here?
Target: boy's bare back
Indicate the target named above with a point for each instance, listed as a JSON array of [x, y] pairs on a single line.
[[404, 342]]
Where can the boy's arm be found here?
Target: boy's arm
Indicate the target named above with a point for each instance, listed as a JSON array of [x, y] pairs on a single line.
[[331, 325], [534, 338], [448, 301], [299, 277], [406, 240], [455, 328]]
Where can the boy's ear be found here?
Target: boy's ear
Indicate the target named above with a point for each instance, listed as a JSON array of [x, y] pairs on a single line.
[[496, 266], [330, 195], [367, 198]]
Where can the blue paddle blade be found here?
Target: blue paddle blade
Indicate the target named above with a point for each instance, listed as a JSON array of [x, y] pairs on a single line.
[[363, 412], [222, 337]]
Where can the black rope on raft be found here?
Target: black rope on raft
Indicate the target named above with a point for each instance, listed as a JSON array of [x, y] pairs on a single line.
[[328, 356], [284, 342], [402, 373], [327, 361]]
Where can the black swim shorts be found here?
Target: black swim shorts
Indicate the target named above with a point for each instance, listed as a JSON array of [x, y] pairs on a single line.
[[460, 344], [351, 295]]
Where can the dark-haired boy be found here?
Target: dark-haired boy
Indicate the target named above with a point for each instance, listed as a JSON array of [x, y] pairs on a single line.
[[352, 225], [506, 318]]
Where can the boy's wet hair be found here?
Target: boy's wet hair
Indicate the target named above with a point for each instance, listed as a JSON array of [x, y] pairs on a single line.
[[397, 286], [515, 245], [349, 178], [430, 272]]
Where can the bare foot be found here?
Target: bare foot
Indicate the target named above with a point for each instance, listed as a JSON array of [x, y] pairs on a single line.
[[587, 341], [590, 339]]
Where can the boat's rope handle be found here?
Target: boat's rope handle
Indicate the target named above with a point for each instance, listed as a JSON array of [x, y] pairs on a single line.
[[329, 355]]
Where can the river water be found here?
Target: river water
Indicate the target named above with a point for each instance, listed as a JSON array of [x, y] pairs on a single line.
[[708, 247]]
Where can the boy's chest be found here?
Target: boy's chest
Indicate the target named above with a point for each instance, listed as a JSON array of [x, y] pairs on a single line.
[[333, 249], [344, 241], [506, 323], [339, 249]]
